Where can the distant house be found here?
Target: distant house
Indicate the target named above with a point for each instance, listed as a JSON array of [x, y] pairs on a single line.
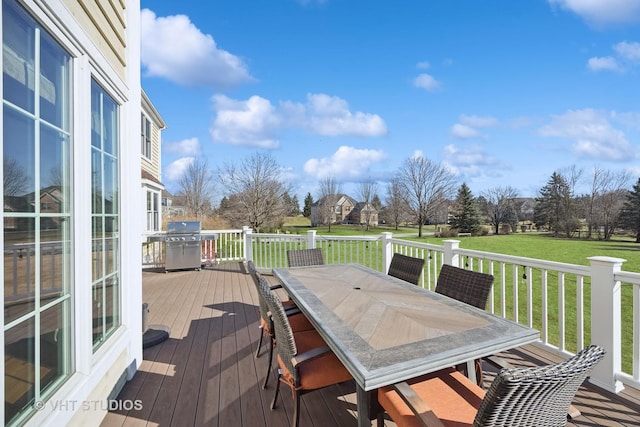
[[150, 146], [173, 206], [345, 210], [363, 213]]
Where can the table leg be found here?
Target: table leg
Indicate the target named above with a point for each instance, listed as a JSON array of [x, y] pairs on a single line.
[[364, 406], [471, 371]]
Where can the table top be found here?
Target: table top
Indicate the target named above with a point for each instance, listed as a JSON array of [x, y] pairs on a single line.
[[386, 330]]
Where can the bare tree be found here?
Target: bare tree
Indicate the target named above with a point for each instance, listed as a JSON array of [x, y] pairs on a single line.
[[195, 185], [499, 205], [609, 192], [427, 185], [397, 209], [327, 200], [15, 178], [256, 188], [366, 192]]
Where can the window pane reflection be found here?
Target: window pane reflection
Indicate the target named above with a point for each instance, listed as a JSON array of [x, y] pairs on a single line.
[[19, 368], [55, 255], [18, 162], [19, 267], [54, 337]]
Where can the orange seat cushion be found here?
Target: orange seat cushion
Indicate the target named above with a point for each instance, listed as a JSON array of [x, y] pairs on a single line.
[[320, 372], [452, 397], [298, 322]]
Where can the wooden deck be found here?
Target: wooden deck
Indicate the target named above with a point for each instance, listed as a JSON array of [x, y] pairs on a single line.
[[206, 374]]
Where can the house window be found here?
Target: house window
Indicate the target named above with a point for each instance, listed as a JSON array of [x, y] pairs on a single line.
[[146, 137], [105, 213], [36, 149], [153, 211]]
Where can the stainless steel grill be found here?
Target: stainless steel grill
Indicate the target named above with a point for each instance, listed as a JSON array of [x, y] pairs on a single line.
[[183, 247]]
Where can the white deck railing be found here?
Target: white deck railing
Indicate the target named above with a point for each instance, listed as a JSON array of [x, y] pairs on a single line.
[[571, 305]]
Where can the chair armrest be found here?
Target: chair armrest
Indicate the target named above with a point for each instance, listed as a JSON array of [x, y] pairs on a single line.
[[290, 311], [418, 406], [309, 355]]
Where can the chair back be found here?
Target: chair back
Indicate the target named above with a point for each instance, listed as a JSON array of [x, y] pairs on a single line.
[[257, 277], [305, 257], [468, 286], [537, 396], [286, 344], [406, 268]]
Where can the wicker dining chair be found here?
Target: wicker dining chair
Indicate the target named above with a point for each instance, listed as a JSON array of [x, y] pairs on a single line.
[[305, 361], [298, 321], [538, 396], [304, 257], [406, 268], [470, 287]]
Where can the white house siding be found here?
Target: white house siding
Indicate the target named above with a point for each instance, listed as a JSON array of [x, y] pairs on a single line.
[[104, 22], [102, 37]]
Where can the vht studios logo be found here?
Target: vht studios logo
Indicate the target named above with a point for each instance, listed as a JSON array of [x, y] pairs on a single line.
[[90, 405]]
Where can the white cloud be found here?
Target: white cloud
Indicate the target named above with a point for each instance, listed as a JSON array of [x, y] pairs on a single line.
[[251, 123], [172, 47], [627, 55], [423, 65], [257, 123], [592, 133], [628, 51], [479, 122], [461, 131], [174, 171], [347, 163], [599, 13], [468, 126], [427, 82], [186, 147], [330, 116], [604, 63], [470, 161]]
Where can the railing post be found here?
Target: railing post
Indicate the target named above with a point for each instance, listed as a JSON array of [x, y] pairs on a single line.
[[387, 250], [311, 239], [248, 249], [605, 320], [450, 256]]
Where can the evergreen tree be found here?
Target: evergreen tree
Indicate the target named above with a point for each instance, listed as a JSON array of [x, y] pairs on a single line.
[[376, 203], [466, 218], [295, 206], [630, 214], [556, 207], [306, 210]]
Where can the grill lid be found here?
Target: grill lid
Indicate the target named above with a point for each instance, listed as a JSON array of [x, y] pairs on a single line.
[[183, 227]]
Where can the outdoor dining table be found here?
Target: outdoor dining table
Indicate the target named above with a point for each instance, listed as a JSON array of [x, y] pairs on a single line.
[[385, 330]]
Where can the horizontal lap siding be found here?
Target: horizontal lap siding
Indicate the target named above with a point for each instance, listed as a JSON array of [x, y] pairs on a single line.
[[104, 21]]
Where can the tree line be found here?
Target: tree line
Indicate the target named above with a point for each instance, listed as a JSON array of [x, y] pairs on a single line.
[[422, 191]]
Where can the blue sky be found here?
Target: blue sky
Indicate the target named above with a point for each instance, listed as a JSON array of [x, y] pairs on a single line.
[[501, 92]]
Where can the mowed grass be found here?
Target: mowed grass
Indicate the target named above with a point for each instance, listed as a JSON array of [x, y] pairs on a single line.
[[543, 246]]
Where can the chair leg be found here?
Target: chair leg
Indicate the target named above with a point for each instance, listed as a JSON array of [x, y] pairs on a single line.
[[259, 342], [266, 378], [296, 408], [380, 419], [275, 394]]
